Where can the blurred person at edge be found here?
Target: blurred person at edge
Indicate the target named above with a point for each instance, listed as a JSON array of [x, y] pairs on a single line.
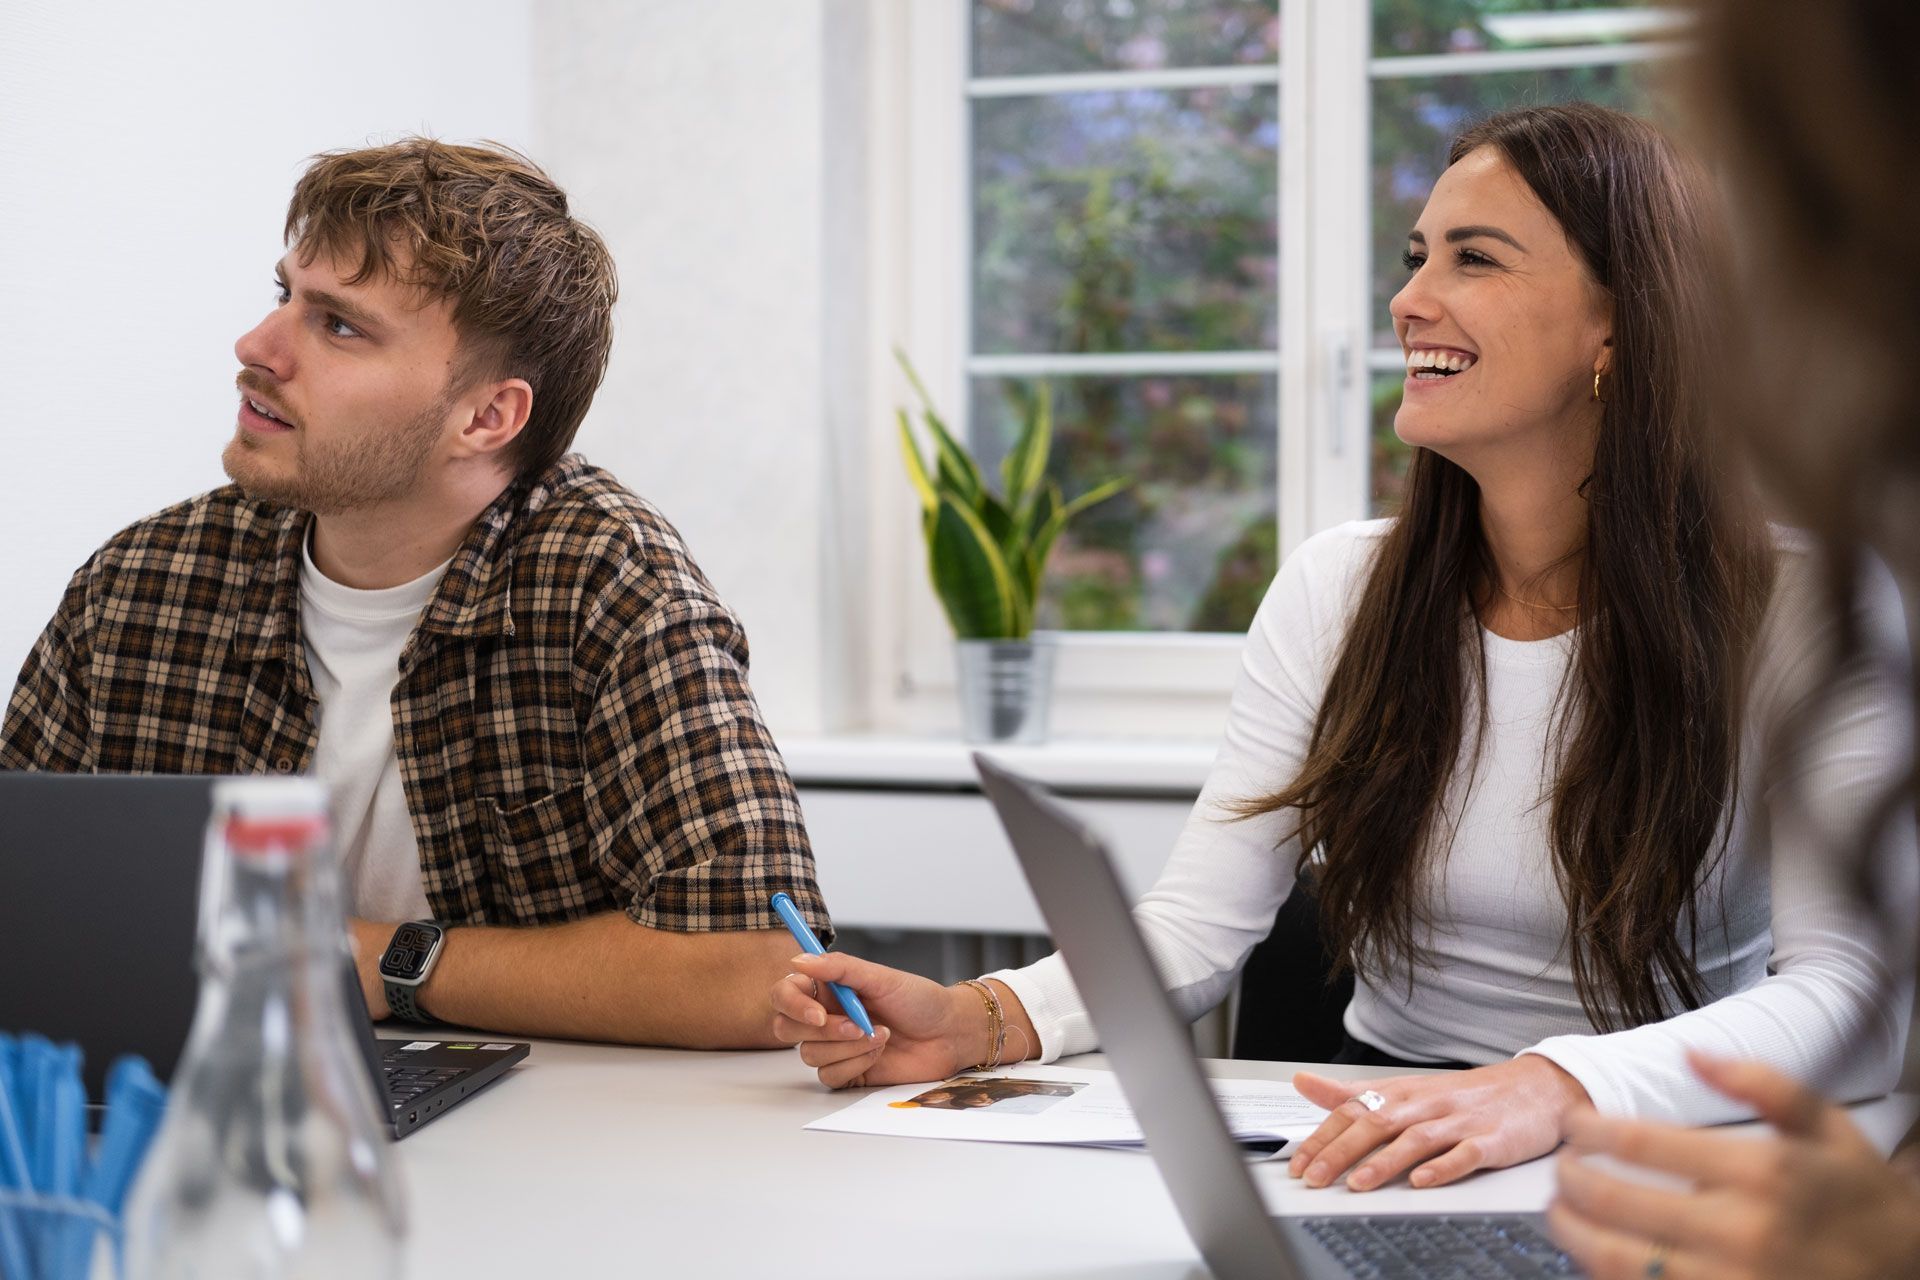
[[1516, 714], [1811, 109]]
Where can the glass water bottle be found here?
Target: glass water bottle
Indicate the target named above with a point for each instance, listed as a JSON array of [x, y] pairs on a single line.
[[272, 1163]]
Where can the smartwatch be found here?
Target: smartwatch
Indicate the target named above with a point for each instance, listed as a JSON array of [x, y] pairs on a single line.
[[407, 963]]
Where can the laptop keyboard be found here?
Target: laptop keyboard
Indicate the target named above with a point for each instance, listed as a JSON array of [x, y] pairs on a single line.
[[406, 1085], [1439, 1248]]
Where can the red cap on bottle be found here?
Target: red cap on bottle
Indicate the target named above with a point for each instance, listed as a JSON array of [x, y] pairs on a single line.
[[250, 835]]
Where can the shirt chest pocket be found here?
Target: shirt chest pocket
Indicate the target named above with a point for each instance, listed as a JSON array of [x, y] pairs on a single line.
[[542, 872]]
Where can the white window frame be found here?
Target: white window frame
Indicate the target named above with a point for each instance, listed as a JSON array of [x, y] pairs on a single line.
[[919, 263]]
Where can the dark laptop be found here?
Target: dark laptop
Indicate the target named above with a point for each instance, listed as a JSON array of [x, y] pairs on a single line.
[[1151, 1050], [99, 898]]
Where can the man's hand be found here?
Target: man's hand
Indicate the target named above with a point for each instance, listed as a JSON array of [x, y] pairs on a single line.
[[1447, 1125], [370, 939]]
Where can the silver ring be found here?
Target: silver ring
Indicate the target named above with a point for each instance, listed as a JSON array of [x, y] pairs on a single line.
[[1657, 1262], [1370, 1100]]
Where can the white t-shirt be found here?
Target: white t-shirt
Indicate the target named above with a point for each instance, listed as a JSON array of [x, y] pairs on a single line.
[[1833, 1011], [353, 642]]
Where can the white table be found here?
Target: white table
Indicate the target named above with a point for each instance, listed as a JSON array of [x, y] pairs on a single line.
[[592, 1161]]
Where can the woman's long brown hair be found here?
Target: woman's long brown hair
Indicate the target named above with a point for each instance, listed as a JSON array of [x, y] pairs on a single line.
[[1812, 121], [1673, 582]]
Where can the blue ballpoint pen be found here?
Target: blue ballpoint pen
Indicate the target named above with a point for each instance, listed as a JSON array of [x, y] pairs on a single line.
[[849, 1002]]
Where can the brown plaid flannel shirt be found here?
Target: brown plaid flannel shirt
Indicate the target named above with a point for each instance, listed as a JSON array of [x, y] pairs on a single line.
[[572, 718]]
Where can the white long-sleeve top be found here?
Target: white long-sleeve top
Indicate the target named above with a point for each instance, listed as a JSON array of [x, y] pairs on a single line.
[[1799, 971]]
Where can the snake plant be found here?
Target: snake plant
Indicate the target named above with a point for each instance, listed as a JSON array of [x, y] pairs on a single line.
[[986, 553]]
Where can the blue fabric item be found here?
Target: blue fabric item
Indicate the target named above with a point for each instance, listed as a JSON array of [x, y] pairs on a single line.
[[44, 1155], [37, 1119], [136, 1102], [64, 1109], [67, 1243], [13, 1158], [13, 1148]]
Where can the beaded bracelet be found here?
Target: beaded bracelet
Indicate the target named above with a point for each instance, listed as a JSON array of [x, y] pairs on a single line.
[[996, 1025]]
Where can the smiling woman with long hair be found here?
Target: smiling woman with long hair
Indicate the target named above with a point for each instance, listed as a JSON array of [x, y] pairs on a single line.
[[1513, 727], [1664, 586]]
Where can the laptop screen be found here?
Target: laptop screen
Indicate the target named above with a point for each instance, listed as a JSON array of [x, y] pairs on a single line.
[[99, 899]]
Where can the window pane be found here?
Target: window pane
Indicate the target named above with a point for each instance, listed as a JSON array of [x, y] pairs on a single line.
[[1050, 37], [1469, 26], [1387, 480], [1191, 546], [1139, 221], [1415, 119]]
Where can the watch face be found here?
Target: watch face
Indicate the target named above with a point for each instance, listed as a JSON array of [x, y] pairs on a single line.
[[406, 956]]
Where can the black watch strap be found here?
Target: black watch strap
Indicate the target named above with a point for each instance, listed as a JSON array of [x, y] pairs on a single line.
[[402, 1005]]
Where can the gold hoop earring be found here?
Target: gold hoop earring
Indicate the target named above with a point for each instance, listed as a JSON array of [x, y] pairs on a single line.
[[1598, 395]]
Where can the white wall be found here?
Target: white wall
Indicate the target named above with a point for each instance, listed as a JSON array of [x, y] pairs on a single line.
[[145, 163], [146, 155], [689, 134]]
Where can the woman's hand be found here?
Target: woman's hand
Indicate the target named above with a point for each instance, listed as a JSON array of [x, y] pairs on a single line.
[[1816, 1201], [1448, 1125], [921, 1030]]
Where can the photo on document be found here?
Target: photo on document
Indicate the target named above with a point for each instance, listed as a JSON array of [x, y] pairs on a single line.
[[1007, 1095]]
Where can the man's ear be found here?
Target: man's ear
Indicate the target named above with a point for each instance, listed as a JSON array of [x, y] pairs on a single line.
[[499, 412]]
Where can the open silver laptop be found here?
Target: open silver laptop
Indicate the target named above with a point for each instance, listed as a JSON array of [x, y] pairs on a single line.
[[1152, 1054]]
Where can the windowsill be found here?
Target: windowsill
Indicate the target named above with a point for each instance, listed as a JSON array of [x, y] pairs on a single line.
[[1075, 766]]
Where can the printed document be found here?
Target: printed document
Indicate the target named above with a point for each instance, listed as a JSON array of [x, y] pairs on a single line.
[[1070, 1106]]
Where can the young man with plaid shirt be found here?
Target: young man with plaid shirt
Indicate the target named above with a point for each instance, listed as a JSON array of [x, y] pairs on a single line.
[[530, 705]]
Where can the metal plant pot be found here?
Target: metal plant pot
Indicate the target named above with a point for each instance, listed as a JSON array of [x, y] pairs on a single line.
[[1005, 689]]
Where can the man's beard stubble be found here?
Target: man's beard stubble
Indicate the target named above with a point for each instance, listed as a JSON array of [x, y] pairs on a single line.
[[333, 477]]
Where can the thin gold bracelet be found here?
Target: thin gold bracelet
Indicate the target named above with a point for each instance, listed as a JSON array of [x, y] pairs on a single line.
[[996, 1025]]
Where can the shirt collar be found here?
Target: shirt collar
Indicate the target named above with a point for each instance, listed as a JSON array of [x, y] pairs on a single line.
[[473, 598]]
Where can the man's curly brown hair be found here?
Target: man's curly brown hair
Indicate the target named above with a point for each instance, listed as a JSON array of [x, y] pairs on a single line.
[[482, 226]]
